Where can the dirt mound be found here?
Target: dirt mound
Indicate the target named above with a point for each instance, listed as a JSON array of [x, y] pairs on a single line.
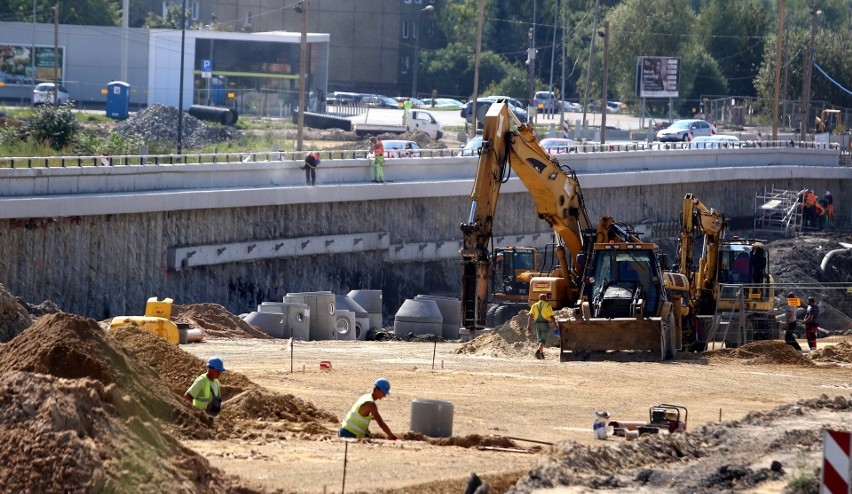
[[797, 260], [76, 442], [840, 353], [713, 458], [14, 318], [216, 321], [74, 347], [243, 399], [760, 353], [509, 340]]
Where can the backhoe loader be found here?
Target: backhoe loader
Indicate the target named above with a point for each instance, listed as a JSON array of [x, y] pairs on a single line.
[[619, 295], [731, 275]]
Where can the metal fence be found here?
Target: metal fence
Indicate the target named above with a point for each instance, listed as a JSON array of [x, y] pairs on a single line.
[[274, 155], [742, 317]]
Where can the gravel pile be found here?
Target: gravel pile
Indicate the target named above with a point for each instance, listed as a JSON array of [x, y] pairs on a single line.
[[159, 123]]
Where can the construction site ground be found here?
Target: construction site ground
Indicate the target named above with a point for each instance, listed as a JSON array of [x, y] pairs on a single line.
[[500, 391]]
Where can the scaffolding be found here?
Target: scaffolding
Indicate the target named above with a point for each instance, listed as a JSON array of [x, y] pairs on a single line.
[[778, 210]]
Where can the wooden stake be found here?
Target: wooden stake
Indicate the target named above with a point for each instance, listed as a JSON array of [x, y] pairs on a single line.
[[345, 460], [434, 350], [720, 415]]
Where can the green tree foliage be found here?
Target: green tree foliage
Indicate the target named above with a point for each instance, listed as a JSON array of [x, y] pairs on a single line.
[[172, 19], [734, 34], [50, 125], [79, 12], [451, 71]]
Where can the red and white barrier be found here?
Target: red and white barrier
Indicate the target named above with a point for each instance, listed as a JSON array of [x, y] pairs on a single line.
[[566, 131], [836, 467], [759, 140], [713, 130]]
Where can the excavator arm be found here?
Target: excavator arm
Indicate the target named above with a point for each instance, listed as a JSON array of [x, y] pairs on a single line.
[[698, 219], [507, 144]]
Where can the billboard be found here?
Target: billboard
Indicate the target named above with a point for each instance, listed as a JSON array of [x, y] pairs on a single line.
[[16, 63], [657, 77]]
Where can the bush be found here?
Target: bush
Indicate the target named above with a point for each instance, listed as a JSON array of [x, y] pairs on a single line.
[[54, 126]]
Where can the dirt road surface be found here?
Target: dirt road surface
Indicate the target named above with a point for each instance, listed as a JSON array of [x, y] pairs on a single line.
[[508, 395]]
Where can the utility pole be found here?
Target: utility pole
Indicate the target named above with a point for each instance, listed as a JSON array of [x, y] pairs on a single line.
[[784, 91], [303, 61], [564, 61], [809, 62], [531, 59], [56, 55], [778, 48], [180, 83], [479, 20], [589, 67], [604, 97], [553, 48]]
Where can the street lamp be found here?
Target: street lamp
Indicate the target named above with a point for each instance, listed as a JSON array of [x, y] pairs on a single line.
[[425, 10], [809, 62]]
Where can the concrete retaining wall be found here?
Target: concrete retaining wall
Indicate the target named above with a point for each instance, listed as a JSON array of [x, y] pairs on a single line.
[[103, 254]]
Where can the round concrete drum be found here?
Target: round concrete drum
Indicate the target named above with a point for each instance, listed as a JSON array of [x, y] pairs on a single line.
[[433, 418], [450, 308], [419, 317]]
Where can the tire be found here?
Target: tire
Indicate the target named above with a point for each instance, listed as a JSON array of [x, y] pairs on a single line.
[[500, 315], [489, 316]]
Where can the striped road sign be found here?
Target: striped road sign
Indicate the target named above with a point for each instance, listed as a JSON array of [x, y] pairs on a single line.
[[836, 467]]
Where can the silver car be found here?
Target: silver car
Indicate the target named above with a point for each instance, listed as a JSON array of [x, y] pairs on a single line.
[[682, 130], [43, 94]]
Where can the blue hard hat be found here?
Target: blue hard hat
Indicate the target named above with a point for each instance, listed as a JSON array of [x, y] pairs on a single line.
[[216, 363], [383, 385]]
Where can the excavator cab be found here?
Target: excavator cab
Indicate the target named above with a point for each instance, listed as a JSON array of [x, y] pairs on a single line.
[[623, 283], [829, 121], [513, 268]]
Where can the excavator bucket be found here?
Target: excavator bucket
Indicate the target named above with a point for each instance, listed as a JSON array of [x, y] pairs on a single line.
[[651, 339]]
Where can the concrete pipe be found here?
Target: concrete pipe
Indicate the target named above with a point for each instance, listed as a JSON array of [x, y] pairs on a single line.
[[194, 335], [344, 325], [270, 307], [322, 308], [450, 308], [297, 321], [433, 418]]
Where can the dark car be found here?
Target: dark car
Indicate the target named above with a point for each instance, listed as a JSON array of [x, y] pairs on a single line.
[[342, 98], [482, 106]]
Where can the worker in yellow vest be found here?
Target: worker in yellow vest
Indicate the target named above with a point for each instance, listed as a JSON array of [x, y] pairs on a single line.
[[206, 392], [357, 421], [542, 314]]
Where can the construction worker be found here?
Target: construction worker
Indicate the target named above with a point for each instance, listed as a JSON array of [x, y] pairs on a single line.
[[811, 323], [378, 151], [810, 204], [790, 317], [357, 422], [312, 161], [206, 392], [542, 314], [827, 203]]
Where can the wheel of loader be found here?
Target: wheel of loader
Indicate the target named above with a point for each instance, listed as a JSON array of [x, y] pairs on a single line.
[[671, 338], [502, 314]]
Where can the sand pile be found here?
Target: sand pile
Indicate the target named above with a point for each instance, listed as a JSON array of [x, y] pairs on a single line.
[[80, 435], [216, 321], [509, 340], [841, 353], [74, 347], [243, 399], [13, 317], [760, 353]]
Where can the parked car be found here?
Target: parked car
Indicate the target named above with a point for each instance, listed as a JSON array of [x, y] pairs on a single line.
[[558, 145], [343, 98], [680, 130], [472, 147], [401, 149], [43, 94], [545, 102], [714, 141], [571, 106], [446, 103], [380, 101], [611, 106], [483, 104]]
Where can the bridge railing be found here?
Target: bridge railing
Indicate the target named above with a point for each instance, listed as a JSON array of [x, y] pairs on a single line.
[[265, 156]]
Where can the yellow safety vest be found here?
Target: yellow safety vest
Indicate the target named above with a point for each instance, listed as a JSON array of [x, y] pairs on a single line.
[[356, 423], [202, 400]]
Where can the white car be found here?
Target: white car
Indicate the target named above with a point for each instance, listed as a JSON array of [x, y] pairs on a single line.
[[43, 94], [401, 149], [682, 130], [472, 147], [558, 145], [715, 141], [571, 106]]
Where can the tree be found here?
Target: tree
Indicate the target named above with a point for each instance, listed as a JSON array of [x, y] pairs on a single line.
[[78, 12], [171, 20], [450, 71], [734, 34]]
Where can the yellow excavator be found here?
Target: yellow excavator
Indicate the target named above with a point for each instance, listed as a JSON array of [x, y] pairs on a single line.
[[739, 264], [620, 296]]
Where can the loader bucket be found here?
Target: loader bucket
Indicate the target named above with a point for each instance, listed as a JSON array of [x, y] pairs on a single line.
[[630, 339]]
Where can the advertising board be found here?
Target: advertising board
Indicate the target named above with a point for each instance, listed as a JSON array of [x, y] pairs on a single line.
[[657, 77], [16, 64]]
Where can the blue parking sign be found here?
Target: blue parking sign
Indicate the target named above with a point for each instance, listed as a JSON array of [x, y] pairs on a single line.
[[206, 65]]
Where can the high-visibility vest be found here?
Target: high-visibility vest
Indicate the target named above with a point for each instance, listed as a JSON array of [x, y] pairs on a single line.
[[202, 400], [356, 423]]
